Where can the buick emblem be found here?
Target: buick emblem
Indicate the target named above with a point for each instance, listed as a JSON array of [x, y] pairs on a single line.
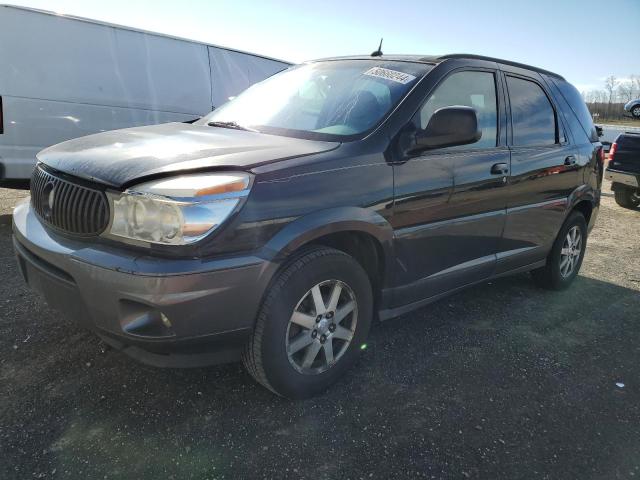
[[48, 197]]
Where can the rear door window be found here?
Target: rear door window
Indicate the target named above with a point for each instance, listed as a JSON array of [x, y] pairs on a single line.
[[532, 116]]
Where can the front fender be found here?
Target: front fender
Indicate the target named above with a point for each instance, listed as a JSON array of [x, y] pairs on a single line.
[[631, 105], [310, 227]]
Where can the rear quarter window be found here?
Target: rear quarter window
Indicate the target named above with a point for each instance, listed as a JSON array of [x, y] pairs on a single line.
[[577, 106]]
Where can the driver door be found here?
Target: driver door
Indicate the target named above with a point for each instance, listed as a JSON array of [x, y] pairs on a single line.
[[450, 203]]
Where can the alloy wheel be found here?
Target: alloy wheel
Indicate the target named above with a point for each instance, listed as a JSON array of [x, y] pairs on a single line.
[[571, 251], [321, 327]]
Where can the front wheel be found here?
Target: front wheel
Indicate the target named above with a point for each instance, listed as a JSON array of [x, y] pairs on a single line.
[[627, 198], [565, 259], [312, 324], [635, 111]]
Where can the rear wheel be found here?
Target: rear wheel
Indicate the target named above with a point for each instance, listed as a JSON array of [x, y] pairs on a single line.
[[627, 198], [312, 324], [565, 259]]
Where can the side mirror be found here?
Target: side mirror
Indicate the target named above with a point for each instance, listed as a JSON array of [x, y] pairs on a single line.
[[599, 130], [449, 126]]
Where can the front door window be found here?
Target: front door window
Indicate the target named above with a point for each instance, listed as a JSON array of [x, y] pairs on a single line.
[[471, 89]]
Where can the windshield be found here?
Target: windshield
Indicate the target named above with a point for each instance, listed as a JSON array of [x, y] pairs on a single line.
[[331, 100]]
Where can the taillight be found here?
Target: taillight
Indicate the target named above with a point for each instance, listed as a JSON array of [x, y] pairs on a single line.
[[612, 151]]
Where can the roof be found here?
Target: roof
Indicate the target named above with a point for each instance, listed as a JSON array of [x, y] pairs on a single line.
[[396, 58], [436, 59], [139, 30]]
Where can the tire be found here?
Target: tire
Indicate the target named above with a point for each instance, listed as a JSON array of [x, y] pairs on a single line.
[[271, 356], [635, 111], [627, 198], [555, 274]]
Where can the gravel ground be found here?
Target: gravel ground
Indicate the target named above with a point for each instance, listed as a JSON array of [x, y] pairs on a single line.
[[501, 381]]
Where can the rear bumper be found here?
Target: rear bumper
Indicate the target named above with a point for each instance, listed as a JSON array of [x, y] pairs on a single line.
[[164, 312], [624, 178]]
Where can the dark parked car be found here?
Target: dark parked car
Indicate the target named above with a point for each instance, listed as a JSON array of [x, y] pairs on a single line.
[[624, 169], [278, 227]]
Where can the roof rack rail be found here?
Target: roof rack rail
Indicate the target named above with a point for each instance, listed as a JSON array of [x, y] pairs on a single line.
[[499, 60]]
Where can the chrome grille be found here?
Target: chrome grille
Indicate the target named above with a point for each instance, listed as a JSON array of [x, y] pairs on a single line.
[[68, 206]]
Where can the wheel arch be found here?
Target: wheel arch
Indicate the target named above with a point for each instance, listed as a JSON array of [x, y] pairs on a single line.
[[585, 200], [586, 208], [359, 232]]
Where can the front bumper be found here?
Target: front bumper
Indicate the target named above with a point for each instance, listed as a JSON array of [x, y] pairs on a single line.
[[164, 312], [624, 178]]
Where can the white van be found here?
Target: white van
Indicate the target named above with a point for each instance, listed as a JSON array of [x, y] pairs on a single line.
[[64, 77]]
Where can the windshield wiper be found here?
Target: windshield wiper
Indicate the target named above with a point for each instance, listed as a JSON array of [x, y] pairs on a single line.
[[233, 125]]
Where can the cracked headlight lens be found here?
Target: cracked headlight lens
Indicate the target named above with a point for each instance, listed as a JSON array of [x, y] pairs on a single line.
[[177, 210]]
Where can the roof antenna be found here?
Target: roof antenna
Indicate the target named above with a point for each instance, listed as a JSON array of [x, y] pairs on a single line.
[[378, 53]]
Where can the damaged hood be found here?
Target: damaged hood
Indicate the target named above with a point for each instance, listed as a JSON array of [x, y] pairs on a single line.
[[120, 157]]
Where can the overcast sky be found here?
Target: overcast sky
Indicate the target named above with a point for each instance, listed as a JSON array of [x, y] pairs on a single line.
[[584, 40]]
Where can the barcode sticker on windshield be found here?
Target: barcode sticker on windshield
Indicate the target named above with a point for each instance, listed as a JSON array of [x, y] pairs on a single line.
[[392, 75]]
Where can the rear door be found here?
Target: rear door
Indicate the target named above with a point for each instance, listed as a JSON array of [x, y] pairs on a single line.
[[545, 170]]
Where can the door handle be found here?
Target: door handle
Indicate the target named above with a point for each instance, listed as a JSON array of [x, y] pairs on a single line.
[[500, 169], [570, 160]]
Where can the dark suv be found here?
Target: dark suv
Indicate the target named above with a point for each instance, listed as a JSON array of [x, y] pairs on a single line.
[[277, 227], [624, 169]]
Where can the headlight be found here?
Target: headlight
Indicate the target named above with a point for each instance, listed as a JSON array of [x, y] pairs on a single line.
[[178, 210]]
